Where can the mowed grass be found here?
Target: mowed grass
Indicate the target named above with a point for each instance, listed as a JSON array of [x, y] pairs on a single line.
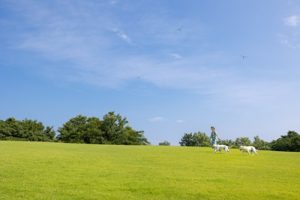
[[33, 170]]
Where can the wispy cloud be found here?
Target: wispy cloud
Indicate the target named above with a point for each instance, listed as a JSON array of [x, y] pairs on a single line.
[[175, 55], [113, 2], [290, 40], [156, 119], [81, 35], [122, 35], [83, 40], [293, 20], [162, 49], [179, 121]]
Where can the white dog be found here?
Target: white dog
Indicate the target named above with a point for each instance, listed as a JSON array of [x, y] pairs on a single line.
[[248, 149], [219, 147]]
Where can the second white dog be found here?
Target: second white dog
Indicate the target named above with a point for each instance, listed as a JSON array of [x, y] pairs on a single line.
[[248, 149], [220, 147]]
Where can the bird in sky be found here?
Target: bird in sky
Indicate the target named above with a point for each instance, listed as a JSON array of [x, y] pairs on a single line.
[[179, 28], [243, 57]]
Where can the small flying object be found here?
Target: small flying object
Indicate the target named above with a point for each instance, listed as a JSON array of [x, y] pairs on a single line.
[[243, 57], [179, 28]]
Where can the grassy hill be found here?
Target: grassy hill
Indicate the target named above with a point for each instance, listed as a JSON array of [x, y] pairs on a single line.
[[32, 170]]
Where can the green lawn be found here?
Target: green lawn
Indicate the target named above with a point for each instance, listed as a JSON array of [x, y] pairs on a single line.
[[32, 170]]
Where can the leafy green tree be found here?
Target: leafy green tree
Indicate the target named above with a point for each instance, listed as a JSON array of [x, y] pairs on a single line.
[[49, 133], [202, 139], [188, 140], [195, 139], [12, 129], [2, 130], [289, 142], [132, 137], [113, 129], [229, 143], [74, 130], [93, 133], [260, 144], [242, 141], [33, 130], [164, 143]]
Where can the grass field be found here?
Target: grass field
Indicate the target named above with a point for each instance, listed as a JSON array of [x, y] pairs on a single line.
[[32, 170]]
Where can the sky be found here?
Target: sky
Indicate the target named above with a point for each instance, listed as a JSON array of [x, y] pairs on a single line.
[[170, 66]]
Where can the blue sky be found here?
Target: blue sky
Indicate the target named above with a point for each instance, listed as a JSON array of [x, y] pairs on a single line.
[[169, 66]]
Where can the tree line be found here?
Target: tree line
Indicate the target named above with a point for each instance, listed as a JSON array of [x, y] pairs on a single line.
[[12, 129], [111, 129], [288, 142], [115, 129]]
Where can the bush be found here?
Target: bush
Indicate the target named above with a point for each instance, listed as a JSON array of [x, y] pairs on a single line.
[[289, 142], [260, 144], [112, 129], [32, 130], [195, 139], [164, 143]]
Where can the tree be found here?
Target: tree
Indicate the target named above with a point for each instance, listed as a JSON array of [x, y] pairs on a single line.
[[132, 137], [289, 142], [245, 141], [229, 143], [2, 130], [113, 129], [49, 133], [74, 130], [33, 130], [187, 140], [260, 144], [93, 134], [195, 139], [202, 139], [12, 129], [164, 143]]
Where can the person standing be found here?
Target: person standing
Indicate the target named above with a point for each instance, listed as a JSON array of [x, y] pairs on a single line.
[[213, 136]]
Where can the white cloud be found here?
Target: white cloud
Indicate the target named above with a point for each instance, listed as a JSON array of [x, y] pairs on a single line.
[[80, 43], [81, 35], [113, 2], [122, 35], [175, 55], [179, 121], [293, 20], [156, 119], [290, 40]]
